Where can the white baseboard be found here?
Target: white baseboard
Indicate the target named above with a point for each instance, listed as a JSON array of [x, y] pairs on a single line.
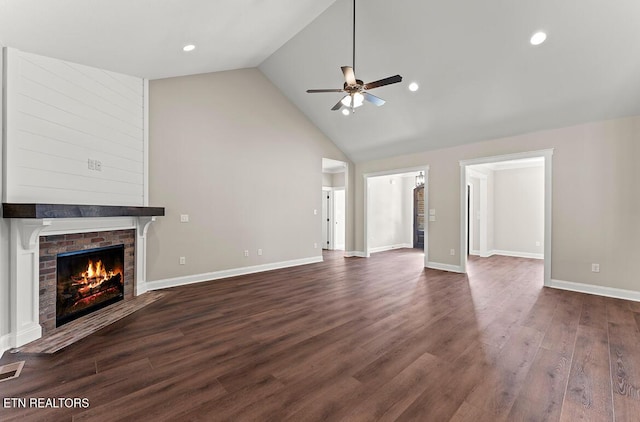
[[474, 252], [444, 267], [595, 290], [390, 247], [233, 272], [5, 343], [516, 254], [358, 254]]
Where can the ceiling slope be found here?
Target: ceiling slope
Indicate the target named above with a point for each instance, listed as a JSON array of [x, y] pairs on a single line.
[[479, 76]]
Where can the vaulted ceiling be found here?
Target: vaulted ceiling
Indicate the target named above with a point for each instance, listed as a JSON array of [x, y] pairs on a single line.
[[479, 76]]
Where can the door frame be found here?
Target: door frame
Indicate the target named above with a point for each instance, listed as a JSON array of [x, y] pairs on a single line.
[[367, 208], [482, 193], [547, 155]]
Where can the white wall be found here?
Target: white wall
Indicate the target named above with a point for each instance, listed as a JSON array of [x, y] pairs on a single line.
[[231, 151], [333, 180], [390, 212], [519, 211], [60, 115], [327, 180], [337, 180]]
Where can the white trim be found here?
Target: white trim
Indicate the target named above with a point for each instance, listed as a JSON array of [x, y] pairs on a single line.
[[474, 252], [518, 164], [507, 157], [5, 343], [444, 267], [516, 254], [390, 247], [596, 290], [233, 272], [145, 141], [547, 154], [482, 227], [357, 254]]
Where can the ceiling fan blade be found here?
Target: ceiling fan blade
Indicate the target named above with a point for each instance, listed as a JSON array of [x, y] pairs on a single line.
[[373, 99], [349, 76], [315, 91], [382, 82], [338, 106]]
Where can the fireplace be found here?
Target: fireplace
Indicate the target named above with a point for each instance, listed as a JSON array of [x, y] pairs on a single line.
[[88, 280]]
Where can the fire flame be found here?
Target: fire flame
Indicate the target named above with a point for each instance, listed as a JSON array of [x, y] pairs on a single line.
[[96, 274]]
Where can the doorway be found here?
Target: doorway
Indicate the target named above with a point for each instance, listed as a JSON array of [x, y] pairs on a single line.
[[388, 218], [497, 189], [334, 204]]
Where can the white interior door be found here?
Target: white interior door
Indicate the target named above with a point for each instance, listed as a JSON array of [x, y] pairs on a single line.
[[326, 219], [340, 215]]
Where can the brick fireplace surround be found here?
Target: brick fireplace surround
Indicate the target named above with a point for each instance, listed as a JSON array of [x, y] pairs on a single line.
[[51, 246]]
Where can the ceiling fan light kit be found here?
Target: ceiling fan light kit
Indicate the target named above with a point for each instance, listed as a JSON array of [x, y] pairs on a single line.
[[355, 89]]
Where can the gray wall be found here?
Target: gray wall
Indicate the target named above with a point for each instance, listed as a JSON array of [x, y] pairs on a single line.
[[595, 197], [232, 152]]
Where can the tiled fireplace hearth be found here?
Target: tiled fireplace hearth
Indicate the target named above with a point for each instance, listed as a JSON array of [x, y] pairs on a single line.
[[40, 233]]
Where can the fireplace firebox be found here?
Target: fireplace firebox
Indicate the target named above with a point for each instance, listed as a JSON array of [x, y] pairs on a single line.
[[88, 280]]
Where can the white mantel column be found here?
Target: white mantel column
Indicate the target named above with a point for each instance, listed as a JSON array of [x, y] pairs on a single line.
[[25, 280]]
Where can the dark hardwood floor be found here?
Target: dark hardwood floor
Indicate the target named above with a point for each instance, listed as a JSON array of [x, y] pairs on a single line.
[[353, 340]]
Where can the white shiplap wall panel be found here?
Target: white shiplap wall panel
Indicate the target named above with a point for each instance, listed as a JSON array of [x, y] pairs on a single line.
[[82, 76], [62, 114], [64, 79], [77, 106], [73, 137], [51, 147]]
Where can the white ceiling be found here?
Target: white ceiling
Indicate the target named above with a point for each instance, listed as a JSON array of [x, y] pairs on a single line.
[[145, 37], [479, 76]]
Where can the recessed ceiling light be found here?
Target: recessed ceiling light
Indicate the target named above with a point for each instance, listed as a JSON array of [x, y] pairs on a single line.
[[345, 111], [189, 47], [538, 38], [413, 87]]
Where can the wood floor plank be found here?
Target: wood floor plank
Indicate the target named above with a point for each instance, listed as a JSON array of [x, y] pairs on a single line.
[[624, 352], [588, 395], [542, 395], [498, 391], [352, 340]]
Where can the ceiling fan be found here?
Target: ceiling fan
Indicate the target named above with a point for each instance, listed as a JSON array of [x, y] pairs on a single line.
[[355, 89]]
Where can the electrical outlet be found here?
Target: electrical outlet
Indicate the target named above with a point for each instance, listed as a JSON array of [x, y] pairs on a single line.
[[246, 253], [183, 260], [537, 243], [91, 164], [259, 252], [315, 246], [595, 268], [452, 252], [184, 218]]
